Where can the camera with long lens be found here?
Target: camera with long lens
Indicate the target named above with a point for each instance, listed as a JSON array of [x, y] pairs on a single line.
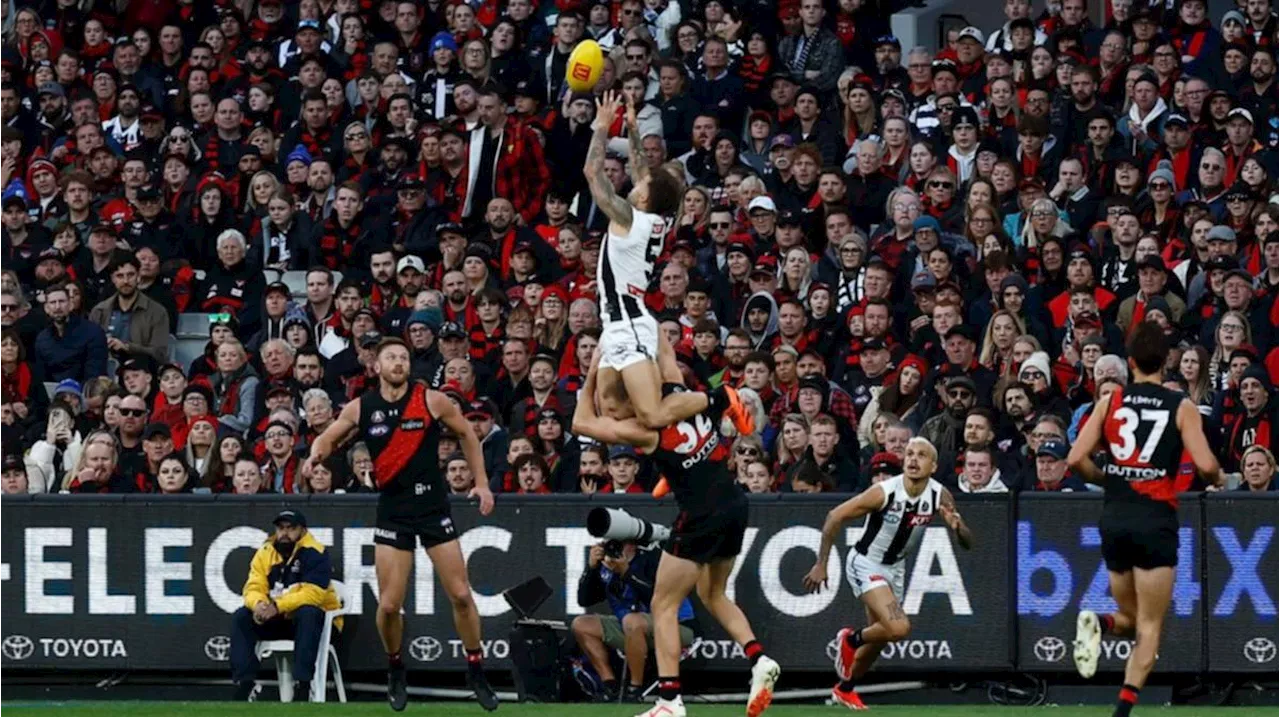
[[618, 526]]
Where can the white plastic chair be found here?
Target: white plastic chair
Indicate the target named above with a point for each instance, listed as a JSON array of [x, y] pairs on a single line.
[[282, 650]]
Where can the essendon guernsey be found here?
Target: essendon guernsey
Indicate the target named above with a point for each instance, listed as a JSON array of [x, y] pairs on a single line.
[[402, 437], [1142, 435], [692, 457]]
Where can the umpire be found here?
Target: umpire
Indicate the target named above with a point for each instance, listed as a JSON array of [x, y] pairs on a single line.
[[285, 598]]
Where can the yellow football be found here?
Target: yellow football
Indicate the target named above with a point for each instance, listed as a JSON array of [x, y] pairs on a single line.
[[586, 62]]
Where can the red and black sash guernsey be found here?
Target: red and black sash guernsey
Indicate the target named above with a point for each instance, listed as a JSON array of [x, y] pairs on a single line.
[[395, 435]]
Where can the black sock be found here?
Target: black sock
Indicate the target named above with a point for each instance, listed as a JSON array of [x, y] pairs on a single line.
[[668, 688], [393, 660], [473, 661], [1128, 698], [855, 639], [611, 686], [717, 403], [847, 685], [754, 651], [1108, 623]]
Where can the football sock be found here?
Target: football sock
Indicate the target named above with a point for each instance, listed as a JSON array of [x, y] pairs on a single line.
[[611, 687], [668, 688], [1108, 622], [847, 685], [473, 661], [1128, 698], [855, 638], [393, 660], [754, 651]]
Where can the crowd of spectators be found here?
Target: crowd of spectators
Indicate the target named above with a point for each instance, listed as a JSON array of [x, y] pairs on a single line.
[[880, 241]]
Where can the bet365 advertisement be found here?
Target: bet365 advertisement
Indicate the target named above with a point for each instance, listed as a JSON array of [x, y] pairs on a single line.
[[150, 583]]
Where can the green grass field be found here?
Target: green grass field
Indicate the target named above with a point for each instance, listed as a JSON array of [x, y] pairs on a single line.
[[450, 709]]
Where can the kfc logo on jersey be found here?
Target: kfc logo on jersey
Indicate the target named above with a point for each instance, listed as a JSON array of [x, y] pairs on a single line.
[[916, 520]]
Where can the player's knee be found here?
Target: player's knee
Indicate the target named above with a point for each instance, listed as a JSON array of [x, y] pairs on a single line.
[[898, 629], [635, 624], [461, 599], [581, 626], [389, 603]]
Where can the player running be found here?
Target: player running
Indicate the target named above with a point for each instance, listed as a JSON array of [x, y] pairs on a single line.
[[1145, 429], [401, 423], [900, 508], [705, 538], [637, 232]]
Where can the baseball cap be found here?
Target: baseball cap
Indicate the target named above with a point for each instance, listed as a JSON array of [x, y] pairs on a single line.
[[1176, 118], [1221, 233], [622, 452], [410, 181], [765, 265], [789, 218], [370, 339], [290, 516], [781, 140], [1088, 320], [962, 381], [1242, 113], [14, 462], [972, 33], [481, 408], [278, 286], [924, 281], [740, 247], [410, 262], [308, 25], [764, 202], [452, 330], [451, 227], [873, 345], [1152, 261], [962, 330], [52, 88], [887, 40], [156, 429], [1053, 448]]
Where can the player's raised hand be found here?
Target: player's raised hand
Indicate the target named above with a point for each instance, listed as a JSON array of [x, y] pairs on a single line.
[[486, 498], [950, 515], [606, 110], [816, 579]]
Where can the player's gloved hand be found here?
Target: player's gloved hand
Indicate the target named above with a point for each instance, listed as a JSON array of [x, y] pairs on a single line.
[[816, 579], [486, 498]]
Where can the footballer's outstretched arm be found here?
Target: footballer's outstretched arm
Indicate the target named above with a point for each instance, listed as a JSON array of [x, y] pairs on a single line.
[[617, 208], [865, 502]]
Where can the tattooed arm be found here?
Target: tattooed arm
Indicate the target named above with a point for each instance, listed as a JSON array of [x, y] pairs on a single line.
[[637, 165], [617, 208]]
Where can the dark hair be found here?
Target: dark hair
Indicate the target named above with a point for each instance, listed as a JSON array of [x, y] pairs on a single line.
[[124, 260], [1148, 347], [539, 462], [760, 357], [665, 193]]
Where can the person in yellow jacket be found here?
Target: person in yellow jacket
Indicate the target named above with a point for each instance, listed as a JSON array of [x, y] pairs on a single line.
[[285, 597]]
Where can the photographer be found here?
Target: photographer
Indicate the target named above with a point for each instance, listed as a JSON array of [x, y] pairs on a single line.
[[623, 576]]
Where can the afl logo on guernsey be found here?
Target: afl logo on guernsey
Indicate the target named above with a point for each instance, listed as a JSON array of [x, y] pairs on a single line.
[[380, 429]]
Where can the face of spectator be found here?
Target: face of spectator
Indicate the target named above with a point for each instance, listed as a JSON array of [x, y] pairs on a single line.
[[1050, 470], [100, 457], [461, 370], [1253, 394], [622, 471], [978, 470], [13, 482], [895, 440], [959, 400], [1256, 469], [246, 478], [157, 447], [133, 415], [541, 376]]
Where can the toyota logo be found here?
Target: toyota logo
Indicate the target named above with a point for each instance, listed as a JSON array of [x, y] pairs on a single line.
[[425, 648], [1258, 650], [218, 648], [1050, 649], [832, 649], [20, 647]]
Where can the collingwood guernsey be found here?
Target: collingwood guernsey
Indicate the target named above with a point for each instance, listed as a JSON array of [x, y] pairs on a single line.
[[895, 528]]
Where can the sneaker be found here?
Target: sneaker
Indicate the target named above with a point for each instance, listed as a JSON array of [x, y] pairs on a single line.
[[845, 654], [1088, 643], [764, 676], [849, 699], [665, 708], [245, 691], [738, 412], [397, 688], [631, 694], [485, 695]]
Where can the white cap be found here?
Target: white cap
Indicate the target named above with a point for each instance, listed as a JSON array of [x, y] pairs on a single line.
[[1240, 112], [410, 261], [972, 32], [762, 202]]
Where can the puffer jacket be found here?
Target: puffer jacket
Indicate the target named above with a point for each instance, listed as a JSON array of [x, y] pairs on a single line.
[[298, 580]]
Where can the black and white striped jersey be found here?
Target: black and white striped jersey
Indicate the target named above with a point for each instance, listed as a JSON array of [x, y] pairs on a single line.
[[896, 527], [626, 266]]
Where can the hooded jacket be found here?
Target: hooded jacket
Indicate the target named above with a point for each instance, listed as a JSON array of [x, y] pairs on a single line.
[[297, 580], [758, 339]]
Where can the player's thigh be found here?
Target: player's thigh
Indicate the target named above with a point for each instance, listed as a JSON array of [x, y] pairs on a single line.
[[677, 577], [668, 368], [447, 560], [1154, 589], [715, 578], [644, 385], [1123, 591], [392, 566], [882, 604]]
